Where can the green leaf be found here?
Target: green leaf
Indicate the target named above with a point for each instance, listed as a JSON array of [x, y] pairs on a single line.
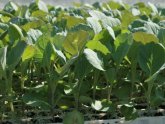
[[14, 56], [73, 21], [73, 117], [153, 7], [123, 92], [9, 15], [154, 76], [15, 32], [40, 15], [97, 45], [97, 14], [144, 9], [93, 59], [133, 51], [3, 52], [94, 23], [111, 32], [82, 67], [97, 105], [129, 112], [85, 99], [116, 5], [28, 52], [149, 60], [43, 41], [152, 28], [135, 12], [33, 25], [161, 36], [58, 41], [75, 41], [3, 26], [34, 100], [46, 61], [127, 18], [137, 23], [122, 45], [110, 21], [11, 7], [67, 65], [59, 52], [111, 75], [42, 6], [144, 38], [33, 36], [106, 20], [158, 97]]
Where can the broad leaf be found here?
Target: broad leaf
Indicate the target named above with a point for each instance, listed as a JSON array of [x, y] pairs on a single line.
[[75, 41], [161, 36], [33, 36], [152, 28], [73, 21], [59, 52], [82, 67], [111, 32], [97, 105], [153, 7], [122, 45], [14, 56], [94, 23], [129, 111], [111, 75], [15, 32], [97, 45], [35, 100], [153, 77], [11, 7], [106, 20], [144, 38], [93, 59], [42, 6], [151, 58], [28, 52]]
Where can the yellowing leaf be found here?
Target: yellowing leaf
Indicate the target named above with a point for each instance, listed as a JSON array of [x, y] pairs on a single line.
[[144, 38], [97, 45], [74, 42], [73, 21]]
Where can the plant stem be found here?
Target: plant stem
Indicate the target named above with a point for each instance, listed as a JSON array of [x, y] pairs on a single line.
[[22, 83], [52, 85], [22, 90], [78, 93], [109, 91], [110, 85], [133, 75], [9, 89], [96, 77], [149, 92]]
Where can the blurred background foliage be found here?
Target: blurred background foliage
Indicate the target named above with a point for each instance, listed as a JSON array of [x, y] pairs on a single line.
[[70, 2]]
